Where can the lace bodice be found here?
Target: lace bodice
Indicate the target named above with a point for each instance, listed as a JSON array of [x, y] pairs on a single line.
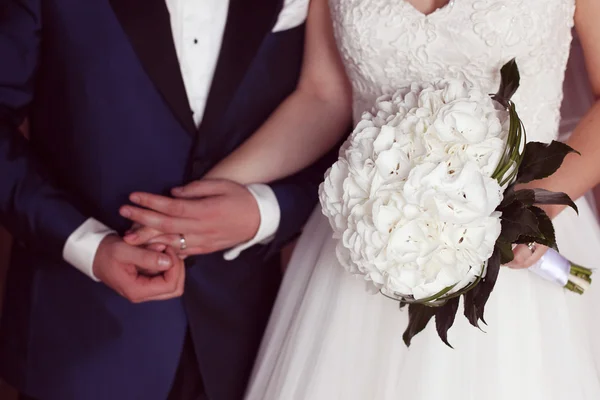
[[385, 43]]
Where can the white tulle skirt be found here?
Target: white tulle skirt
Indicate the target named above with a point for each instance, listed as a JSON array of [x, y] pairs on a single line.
[[330, 337]]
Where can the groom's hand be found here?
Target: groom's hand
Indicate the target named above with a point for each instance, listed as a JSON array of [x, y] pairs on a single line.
[[118, 266], [212, 215]]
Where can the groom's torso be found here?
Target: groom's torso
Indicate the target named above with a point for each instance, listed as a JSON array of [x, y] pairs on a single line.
[[110, 88], [112, 114]]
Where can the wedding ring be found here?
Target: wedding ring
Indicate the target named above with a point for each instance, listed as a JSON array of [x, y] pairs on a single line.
[[182, 242], [531, 246]]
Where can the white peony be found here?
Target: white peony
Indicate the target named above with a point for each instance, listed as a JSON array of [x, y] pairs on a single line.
[[411, 199]]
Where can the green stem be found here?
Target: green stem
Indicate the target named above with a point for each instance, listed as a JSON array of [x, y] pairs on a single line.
[[583, 277], [579, 270], [573, 288], [513, 156], [516, 155]]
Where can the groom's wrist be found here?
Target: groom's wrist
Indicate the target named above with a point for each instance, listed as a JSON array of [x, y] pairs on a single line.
[[270, 216], [81, 246], [270, 213]]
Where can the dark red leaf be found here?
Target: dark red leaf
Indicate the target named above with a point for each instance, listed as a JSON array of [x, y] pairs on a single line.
[[444, 318], [418, 318], [543, 196], [542, 160]]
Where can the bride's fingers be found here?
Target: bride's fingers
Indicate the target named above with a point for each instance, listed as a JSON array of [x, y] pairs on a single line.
[[194, 244], [173, 241], [535, 255], [141, 236], [159, 247], [525, 257], [135, 227], [521, 253]]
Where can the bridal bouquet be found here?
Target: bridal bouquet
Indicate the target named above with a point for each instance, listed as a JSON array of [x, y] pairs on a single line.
[[423, 201]]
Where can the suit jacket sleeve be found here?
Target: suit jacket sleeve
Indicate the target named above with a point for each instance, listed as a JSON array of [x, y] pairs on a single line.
[[35, 211], [297, 197]]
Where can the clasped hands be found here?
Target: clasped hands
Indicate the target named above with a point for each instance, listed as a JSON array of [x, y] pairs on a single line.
[[147, 263]]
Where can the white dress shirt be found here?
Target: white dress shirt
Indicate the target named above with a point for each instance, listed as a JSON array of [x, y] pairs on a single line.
[[198, 27]]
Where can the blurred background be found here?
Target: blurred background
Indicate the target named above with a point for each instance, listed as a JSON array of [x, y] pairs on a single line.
[[6, 393], [577, 100]]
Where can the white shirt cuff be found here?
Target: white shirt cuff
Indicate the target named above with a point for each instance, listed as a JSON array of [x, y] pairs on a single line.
[[80, 248], [270, 216]]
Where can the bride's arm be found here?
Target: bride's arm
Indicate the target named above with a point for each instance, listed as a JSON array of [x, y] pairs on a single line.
[[579, 174], [308, 123]]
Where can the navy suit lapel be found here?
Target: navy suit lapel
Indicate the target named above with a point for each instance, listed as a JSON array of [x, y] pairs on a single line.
[[248, 23], [147, 24]]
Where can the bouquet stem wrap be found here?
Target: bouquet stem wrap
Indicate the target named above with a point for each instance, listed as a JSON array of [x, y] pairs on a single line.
[[556, 268]]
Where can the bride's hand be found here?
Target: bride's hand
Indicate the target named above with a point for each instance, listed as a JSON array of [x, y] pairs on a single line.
[[526, 255], [149, 233]]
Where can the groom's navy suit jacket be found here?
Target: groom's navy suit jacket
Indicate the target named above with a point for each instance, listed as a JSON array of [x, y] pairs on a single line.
[[100, 84]]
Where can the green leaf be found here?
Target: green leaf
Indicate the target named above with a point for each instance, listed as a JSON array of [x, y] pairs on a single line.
[[444, 318], [542, 160], [509, 83], [418, 318], [506, 252], [543, 196]]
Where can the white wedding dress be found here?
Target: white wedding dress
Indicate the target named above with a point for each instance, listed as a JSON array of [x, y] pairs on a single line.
[[332, 337]]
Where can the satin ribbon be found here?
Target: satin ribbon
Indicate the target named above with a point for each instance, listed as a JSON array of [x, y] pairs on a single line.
[[553, 267]]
